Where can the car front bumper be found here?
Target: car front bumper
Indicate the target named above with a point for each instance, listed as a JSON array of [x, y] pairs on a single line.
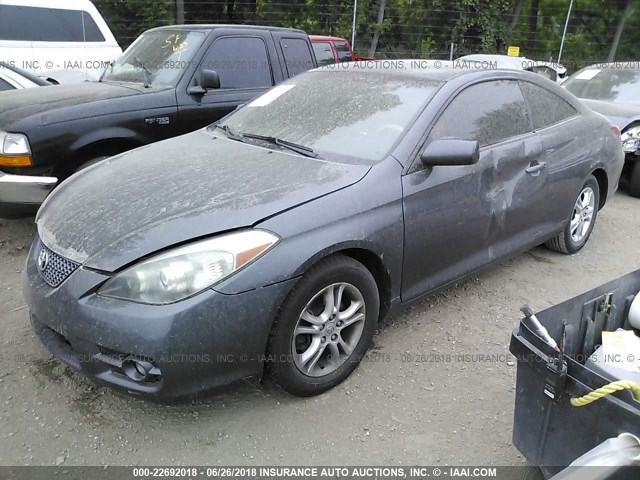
[[23, 194], [190, 347]]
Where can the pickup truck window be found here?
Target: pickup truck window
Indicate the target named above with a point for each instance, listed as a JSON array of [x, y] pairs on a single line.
[[297, 55], [344, 52], [324, 53], [241, 62], [157, 57], [36, 24]]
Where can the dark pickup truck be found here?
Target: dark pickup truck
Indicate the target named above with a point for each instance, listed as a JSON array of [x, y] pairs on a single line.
[[170, 81]]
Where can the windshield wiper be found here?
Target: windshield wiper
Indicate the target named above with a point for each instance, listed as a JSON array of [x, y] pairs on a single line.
[[229, 133], [147, 72], [301, 149]]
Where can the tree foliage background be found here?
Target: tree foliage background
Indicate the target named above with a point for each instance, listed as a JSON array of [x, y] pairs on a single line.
[[598, 29]]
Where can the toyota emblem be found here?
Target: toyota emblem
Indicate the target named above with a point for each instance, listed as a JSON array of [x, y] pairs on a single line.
[[43, 260]]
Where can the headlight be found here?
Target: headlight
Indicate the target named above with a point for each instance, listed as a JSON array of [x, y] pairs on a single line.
[[188, 270], [631, 140], [14, 150]]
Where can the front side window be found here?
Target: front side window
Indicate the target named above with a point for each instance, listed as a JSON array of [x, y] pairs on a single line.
[[346, 113], [324, 53], [4, 85], [546, 108], [156, 57], [241, 62], [488, 112], [36, 24]]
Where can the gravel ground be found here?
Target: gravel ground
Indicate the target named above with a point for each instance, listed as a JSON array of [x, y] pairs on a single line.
[[390, 411]]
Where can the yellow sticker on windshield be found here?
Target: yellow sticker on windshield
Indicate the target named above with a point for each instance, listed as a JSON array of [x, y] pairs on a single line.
[[175, 43]]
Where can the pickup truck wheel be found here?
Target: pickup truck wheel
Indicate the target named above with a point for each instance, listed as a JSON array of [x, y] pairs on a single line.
[[581, 220], [324, 327], [634, 180]]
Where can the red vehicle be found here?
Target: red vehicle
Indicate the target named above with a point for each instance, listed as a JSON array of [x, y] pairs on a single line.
[[330, 50]]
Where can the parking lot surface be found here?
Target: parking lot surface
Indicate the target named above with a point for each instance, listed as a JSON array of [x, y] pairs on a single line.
[[437, 388]]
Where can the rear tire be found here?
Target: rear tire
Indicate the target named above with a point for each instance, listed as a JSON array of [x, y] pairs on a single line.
[[531, 472], [326, 324], [581, 221], [634, 179]]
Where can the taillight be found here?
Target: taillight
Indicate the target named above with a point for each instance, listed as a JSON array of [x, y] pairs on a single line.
[[616, 131]]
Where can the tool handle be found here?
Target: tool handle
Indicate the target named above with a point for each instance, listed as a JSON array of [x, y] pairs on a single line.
[[540, 330]]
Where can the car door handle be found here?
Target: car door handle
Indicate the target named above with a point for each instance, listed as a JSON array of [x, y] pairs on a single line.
[[535, 167]]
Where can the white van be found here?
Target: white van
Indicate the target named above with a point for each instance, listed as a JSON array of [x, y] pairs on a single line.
[[47, 37]]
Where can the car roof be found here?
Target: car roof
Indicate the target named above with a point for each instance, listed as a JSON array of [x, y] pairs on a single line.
[[327, 38], [437, 70], [61, 4], [516, 62], [212, 26]]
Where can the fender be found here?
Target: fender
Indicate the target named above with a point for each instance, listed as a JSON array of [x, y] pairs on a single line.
[[111, 134]]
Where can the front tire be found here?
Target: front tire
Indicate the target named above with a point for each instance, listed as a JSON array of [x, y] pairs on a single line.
[[634, 179], [581, 220], [324, 327]]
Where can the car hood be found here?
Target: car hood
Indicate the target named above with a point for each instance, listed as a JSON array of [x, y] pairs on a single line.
[[20, 104], [620, 114], [170, 192]]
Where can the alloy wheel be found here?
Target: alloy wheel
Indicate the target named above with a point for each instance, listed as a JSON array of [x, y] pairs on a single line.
[[582, 215], [328, 329]]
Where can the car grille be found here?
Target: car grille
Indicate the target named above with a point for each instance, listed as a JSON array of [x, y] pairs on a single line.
[[54, 268]]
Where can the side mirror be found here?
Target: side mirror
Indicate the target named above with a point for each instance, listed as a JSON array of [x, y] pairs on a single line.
[[450, 153], [209, 79]]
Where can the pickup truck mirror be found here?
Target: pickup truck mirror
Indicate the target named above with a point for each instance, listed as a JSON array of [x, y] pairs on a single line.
[[450, 152], [209, 79]]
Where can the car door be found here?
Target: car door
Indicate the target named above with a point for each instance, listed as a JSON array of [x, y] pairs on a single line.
[[243, 63], [555, 122], [460, 218]]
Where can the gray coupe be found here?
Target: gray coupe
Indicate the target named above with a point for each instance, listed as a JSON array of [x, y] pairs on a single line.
[[281, 235]]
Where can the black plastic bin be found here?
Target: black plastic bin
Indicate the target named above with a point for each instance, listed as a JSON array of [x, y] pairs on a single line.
[[552, 433]]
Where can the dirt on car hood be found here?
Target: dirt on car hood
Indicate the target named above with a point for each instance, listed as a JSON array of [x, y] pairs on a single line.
[[185, 188]]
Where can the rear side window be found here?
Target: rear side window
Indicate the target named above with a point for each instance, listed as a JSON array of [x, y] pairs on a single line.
[[241, 62], [546, 72], [297, 56], [344, 52], [34, 24], [488, 112], [324, 54], [546, 108]]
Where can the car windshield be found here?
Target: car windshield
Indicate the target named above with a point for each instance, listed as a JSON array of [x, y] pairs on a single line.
[[346, 113], [610, 85], [156, 57]]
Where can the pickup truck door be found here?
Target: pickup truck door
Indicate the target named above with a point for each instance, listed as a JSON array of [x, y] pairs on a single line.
[[295, 53], [244, 65]]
